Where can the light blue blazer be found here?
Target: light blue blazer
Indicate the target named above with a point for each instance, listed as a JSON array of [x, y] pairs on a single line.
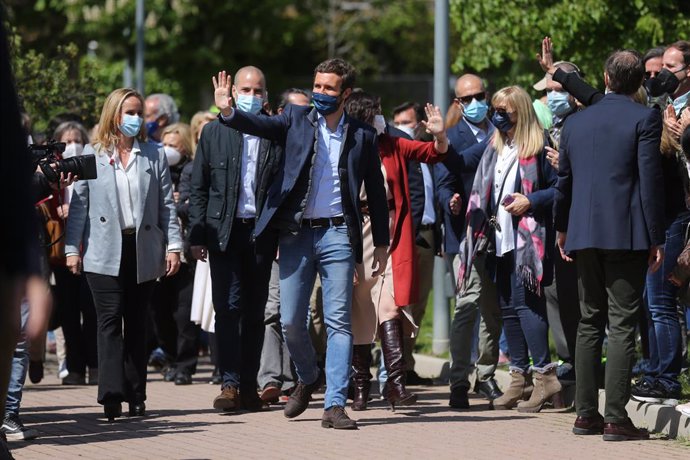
[[93, 224]]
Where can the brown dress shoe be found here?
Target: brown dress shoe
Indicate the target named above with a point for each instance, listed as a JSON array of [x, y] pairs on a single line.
[[589, 425], [271, 393], [624, 432], [227, 400], [300, 397], [336, 417]]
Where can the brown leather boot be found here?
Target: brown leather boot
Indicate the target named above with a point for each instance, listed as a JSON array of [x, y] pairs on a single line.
[[546, 385], [392, 345], [361, 379], [519, 382]]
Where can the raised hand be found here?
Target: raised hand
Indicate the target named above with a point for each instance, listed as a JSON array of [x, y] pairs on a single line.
[[221, 93], [671, 122], [546, 57], [434, 120]]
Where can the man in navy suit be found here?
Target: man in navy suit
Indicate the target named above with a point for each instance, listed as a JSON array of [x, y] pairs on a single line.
[[609, 214], [314, 204], [454, 177]]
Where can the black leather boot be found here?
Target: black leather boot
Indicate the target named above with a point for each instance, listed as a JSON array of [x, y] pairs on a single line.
[[361, 378], [392, 345]]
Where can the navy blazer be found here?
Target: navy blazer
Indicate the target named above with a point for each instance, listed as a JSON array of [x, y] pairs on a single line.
[[610, 183], [455, 175], [296, 129]]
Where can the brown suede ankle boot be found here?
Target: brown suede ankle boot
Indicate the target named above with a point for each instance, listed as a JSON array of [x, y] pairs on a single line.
[[392, 345], [516, 391], [361, 379], [546, 385]]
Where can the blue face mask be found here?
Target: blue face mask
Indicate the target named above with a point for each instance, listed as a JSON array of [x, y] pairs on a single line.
[[680, 102], [502, 122], [151, 128], [131, 125], [325, 104], [559, 103], [248, 103], [475, 111]]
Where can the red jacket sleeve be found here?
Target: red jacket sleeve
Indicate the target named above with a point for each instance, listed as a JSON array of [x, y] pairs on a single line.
[[423, 152]]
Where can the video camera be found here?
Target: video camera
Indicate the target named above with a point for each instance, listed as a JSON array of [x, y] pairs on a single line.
[[46, 157]]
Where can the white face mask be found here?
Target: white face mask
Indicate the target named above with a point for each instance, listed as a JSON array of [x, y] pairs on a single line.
[[172, 154], [407, 130], [379, 124], [72, 150]]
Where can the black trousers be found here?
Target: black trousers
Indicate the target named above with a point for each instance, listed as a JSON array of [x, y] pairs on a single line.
[[77, 315], [121, 353], [563, 307], [172, 307], [240, 278]]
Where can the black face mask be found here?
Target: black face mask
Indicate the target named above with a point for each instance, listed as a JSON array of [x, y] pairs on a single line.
[[665, 82]]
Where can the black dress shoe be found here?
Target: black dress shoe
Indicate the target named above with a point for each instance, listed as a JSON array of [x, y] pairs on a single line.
[[625, 431], [112, 411], [458, 398], [137, 409], [183, 378], [412, 378], [489, 389]]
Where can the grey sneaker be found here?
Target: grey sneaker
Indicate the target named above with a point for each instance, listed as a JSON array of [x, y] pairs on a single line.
[[13, 428]]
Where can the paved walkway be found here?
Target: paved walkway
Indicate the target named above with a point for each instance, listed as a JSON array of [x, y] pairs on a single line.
[[181, 424]]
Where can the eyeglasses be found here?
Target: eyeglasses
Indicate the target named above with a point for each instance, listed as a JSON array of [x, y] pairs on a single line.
[[467, 99], [503, 112]]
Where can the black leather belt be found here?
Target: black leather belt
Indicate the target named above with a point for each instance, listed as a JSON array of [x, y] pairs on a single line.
[[246, 220], [129, 231], [323, 222], [427, 226]]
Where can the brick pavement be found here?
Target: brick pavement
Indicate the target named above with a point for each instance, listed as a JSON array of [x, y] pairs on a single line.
[[182, 425]]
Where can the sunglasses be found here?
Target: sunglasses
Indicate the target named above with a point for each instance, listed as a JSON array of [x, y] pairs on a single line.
[[503, 112], [467, 99]]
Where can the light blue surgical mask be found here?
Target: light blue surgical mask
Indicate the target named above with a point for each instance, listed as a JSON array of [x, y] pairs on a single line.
[[249, 103], [475, 111], [680, 102], [559, 103], [131, 125]]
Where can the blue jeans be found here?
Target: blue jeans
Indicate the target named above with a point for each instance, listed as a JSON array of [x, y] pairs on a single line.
[[20, 364], [326, 251], [665, 346], [524, 317]]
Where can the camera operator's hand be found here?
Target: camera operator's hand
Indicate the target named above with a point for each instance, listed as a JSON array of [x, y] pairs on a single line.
[[69, 179], [74, 264]]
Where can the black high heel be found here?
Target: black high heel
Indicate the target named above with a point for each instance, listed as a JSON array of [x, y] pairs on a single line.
[[112, 411], [137, 409]]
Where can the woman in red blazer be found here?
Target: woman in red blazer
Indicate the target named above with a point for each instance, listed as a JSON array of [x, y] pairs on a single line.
[[379, 304]]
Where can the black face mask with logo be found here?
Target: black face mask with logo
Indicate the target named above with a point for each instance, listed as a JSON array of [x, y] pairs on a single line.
[[665, 82]]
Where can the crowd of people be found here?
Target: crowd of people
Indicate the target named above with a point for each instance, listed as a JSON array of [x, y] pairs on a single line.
[[289, 241]]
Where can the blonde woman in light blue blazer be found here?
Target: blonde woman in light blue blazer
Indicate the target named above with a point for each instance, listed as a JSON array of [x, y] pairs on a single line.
[[122, 231]]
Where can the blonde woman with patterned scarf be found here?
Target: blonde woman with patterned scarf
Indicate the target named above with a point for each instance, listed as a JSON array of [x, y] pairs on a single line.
[[509, 216]]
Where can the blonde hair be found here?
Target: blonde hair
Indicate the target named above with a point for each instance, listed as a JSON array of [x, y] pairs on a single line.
[[529, 134], [108, 131], [185, 133], [196, 123]]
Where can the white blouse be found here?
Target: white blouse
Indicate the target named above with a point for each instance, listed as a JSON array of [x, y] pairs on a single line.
[[127, 181], [505, 237]]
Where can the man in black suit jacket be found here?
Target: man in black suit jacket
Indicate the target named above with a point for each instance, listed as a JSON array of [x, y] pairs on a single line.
[[609, 214], [454, 177], [314, 204], [229, 180]]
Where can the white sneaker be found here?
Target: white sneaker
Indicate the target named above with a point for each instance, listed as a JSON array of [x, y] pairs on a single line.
[[62, 370]]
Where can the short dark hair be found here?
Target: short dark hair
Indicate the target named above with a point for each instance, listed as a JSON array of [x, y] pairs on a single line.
[[363, 106], [407, 105], [285, 97], [653, 53], [684, 47], [625, 70], [341, 68]]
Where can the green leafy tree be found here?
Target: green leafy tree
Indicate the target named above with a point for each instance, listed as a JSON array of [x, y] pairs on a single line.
[[500, 38]]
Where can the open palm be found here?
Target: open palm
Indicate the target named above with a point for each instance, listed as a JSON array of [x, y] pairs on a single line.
[[434, 120], [221, 93]]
